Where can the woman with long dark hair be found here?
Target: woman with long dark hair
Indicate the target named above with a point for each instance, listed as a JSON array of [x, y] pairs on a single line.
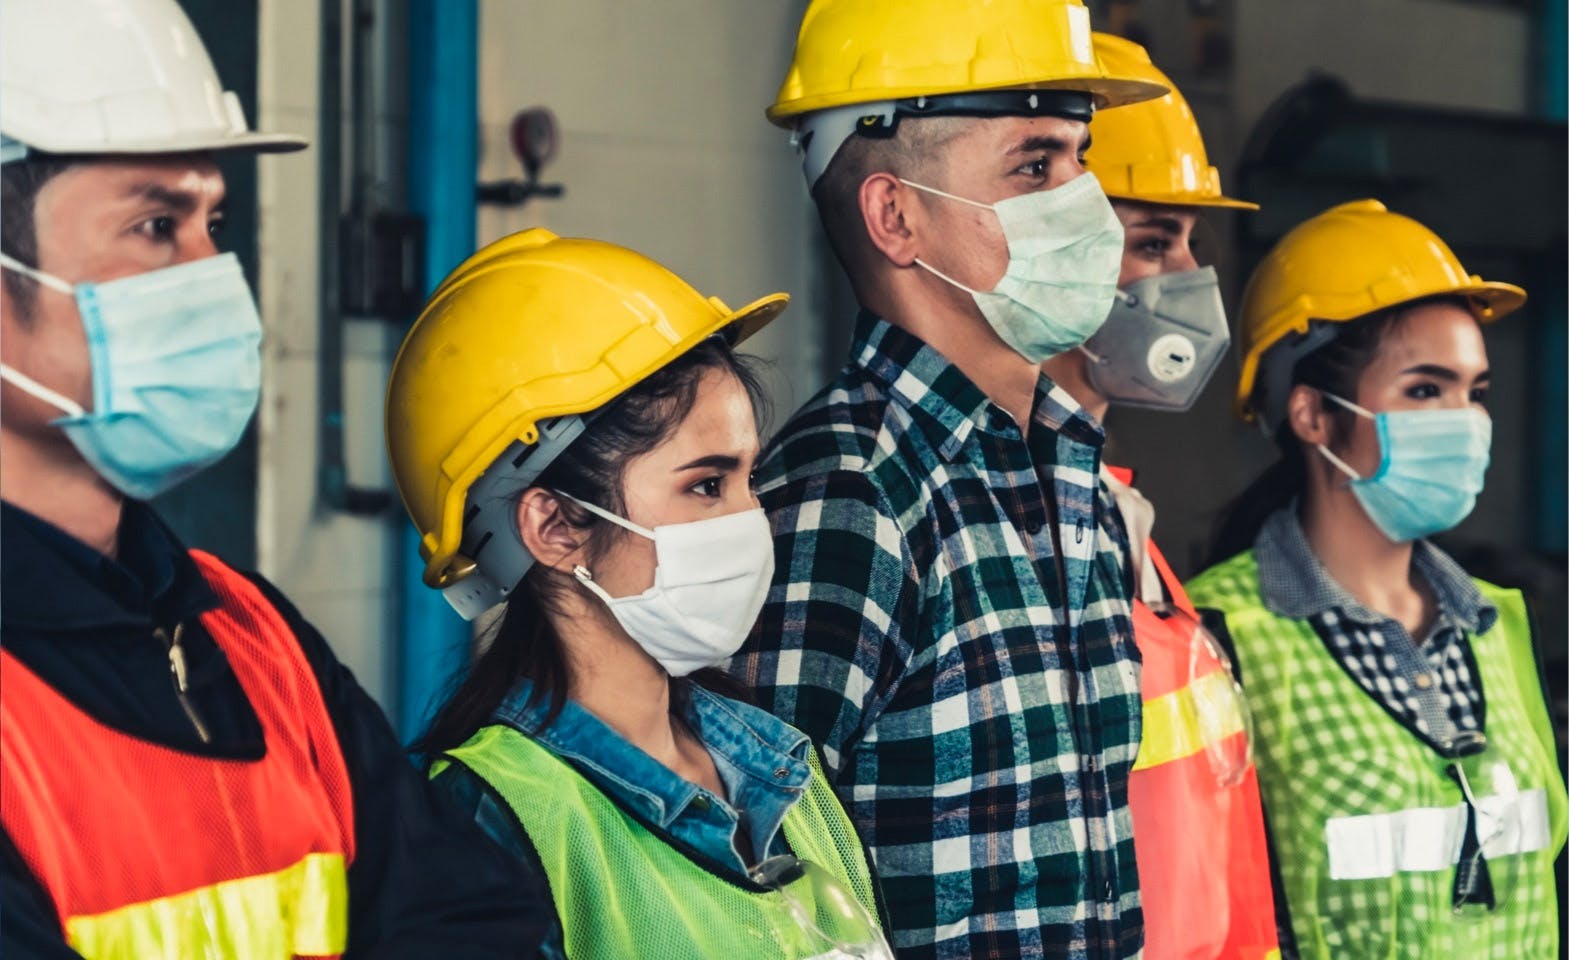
[[1404, 749], [574, 438]]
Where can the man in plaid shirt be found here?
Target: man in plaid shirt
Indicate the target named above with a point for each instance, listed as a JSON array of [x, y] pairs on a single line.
[[950, 613]]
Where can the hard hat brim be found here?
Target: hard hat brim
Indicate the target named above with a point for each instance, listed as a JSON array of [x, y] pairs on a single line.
[[1108, 92], [1500, 299], [248, 142], [756, 315], [1184, 200]]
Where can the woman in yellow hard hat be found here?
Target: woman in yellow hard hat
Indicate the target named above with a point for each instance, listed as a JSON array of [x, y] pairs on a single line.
[[1403, 744], [1198, 830], [574, 437]]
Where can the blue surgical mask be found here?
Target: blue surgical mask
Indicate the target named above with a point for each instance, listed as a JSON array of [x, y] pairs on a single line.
[[176, 365], [1064, 256], [1432, 466]]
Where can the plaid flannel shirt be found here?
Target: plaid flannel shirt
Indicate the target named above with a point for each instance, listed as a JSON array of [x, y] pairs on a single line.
[[975, 691]]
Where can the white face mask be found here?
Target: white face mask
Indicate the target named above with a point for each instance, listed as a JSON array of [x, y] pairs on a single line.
[[709, 586], [1064, 257]]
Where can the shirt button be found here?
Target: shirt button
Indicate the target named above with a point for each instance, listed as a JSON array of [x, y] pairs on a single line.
[[1106, 892], [1089, 764], [1424, 680], [700, 803], [780, 773]]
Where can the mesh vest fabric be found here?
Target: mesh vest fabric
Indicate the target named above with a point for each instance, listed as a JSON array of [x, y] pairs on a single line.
[[1203, 859], [148, 851], [1327, 753], [622, 890]]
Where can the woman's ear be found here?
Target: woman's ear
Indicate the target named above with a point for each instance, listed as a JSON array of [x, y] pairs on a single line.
[[885, 208], [549, 538], [1307, 416]]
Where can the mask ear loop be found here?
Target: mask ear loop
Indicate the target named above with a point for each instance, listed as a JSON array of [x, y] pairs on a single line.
[[582, 573], [949, 196], [16, 377], [28, 385], [604, 514], [32, 273], [1359, 411]]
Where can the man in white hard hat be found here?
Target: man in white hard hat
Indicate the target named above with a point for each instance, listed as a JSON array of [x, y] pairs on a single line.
[[949, 619], [185, 768]]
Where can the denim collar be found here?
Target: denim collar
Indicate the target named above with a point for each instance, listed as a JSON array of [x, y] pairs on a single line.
[[1295, 585], [948, 405], [757, 755]]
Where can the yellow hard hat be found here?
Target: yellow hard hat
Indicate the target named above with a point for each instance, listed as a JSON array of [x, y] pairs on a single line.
[[532, 328], [1345, 263], [1152, 151], [867, 51]]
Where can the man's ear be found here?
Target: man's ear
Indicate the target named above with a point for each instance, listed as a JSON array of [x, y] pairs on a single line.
[[890, 211], [549, 538], [1306, 414]]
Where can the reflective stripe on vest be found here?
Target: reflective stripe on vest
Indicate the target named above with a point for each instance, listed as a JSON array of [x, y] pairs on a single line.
[[1202, 855], [622, 890], [1173, 728], [1429, 838], [151, 851], [1361, 810], [235, 918]]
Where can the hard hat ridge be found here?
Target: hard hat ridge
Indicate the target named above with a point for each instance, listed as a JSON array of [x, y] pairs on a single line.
[[120, 77]]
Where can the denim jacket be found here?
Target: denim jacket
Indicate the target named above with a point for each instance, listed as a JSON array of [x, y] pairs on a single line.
[[761, 761]]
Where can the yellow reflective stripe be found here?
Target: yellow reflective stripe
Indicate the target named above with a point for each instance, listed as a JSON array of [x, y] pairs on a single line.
[[1175, 728], [299, 911]]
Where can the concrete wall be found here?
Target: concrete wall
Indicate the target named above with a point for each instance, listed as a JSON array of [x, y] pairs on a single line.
[[337, 569], [664, 147]]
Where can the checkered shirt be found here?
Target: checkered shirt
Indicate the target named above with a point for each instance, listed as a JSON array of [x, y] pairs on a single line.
[[950, 621], [1430, 687]]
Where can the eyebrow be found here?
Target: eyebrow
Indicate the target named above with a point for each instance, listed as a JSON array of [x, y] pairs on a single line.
[[1163, 223], [1444, 373], [1045, 144], [715, 461], [182, 202]]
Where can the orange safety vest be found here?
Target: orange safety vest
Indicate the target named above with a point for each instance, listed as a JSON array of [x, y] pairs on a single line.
[[1202, 856], [150, 851]]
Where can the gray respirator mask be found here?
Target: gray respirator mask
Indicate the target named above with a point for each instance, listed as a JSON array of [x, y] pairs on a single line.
[[1161, 342]]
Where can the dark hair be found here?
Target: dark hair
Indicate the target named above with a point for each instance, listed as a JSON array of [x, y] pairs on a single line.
[[524, 644], [911, 152], [20, 182], [1333, 368]]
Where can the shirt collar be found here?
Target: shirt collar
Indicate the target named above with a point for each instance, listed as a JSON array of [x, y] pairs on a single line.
[[948, 404], [1295, 585], [752, 741], [53, 581]]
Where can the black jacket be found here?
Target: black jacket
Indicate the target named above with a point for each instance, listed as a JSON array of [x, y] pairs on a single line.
[[425, 882]]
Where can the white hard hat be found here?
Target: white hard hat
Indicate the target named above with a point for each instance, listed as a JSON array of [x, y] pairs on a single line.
[[114, 76]]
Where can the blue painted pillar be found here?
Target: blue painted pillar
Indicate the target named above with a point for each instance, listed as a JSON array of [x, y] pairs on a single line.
[[443, 167]]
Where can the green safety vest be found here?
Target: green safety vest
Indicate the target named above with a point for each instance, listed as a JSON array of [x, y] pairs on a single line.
[[622, 889], [1366, 819]]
